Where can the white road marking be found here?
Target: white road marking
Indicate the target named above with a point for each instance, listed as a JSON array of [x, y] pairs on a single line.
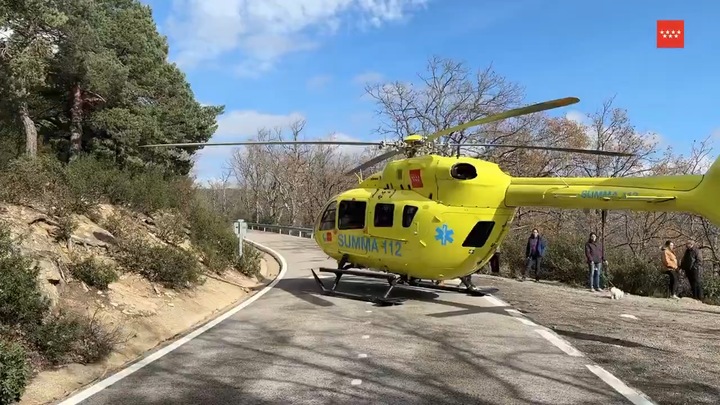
[[101, 385], [525, 321], [495, 302], [636, 397], [356, 382], [367, 322], [559, 343], [366, 336], [362, 356], [368, 311]]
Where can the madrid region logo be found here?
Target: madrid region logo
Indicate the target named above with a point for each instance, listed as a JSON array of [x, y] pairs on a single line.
[[444, 235]]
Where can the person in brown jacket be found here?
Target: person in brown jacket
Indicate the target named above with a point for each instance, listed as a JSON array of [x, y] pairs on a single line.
[[670, 266]]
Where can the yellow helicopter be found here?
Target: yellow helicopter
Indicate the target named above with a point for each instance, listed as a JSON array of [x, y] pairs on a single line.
[[431, 217]]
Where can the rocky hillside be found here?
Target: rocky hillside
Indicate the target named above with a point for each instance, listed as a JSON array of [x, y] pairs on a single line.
[[115, 284]]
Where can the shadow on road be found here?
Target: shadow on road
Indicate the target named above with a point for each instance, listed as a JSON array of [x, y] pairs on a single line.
[[603, 339], [273, 356], [308, 291]]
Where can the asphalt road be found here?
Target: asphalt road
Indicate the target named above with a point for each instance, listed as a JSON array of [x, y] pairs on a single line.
[[295, 346]]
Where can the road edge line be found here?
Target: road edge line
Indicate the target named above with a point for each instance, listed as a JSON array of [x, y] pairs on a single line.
[[102, 384], [631, 394]]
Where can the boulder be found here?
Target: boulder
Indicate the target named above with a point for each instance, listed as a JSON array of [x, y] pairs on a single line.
[[89, 233], [50, 279]]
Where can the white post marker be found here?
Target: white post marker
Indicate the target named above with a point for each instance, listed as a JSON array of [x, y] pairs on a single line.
[[240, 228]]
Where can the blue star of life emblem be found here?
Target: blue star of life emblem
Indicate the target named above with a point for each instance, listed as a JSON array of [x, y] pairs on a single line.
[[444, 235]]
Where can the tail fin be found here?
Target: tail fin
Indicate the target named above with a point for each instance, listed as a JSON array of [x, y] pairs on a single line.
[[704, 200]]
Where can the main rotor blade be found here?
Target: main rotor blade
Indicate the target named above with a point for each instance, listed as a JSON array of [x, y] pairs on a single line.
[[372, 162], [352, 143], [569, 150], [547, 105]]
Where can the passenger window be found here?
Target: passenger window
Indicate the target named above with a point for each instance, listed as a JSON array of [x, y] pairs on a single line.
[[352, 215], [408, 215], [327, 222], [384, 215]]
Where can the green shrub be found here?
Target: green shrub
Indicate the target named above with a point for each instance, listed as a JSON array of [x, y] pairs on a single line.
[[170, 227], [249, 263], [55, 336], [565, 261], [94, 273], [636, 275], [171, 266], [21, 301], [87, 181], [27, 181], [67, 226], [14, 372], [114, 224], [66, 337], [214, 236], [711, 288]]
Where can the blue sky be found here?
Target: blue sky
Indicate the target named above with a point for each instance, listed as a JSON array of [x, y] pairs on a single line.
[[271, 61]]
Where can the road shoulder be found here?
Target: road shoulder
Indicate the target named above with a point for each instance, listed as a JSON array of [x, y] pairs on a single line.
[[665, 348], [172, 316]]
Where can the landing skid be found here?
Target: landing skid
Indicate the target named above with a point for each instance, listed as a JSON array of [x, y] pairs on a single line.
[[469, 288], [393, 280], [383, 300]]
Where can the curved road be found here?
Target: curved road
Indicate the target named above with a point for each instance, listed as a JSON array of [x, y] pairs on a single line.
[[295, 346]]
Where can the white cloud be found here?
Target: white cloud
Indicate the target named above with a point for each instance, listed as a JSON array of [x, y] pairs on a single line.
[[577, 117], [263, 31], [318, 82], [236, 126], [368, 77], [345, 149], [716, 133]]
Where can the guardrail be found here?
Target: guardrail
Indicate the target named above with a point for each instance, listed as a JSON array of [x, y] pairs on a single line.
[[299, 231]]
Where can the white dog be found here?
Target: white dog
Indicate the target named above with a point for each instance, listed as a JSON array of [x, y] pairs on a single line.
[[616, 293]]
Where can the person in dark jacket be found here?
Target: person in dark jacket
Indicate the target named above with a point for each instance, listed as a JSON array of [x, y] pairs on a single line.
[[691, 263], [594, 256], [533, 253]]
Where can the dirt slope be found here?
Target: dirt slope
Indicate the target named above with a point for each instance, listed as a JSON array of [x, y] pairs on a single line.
[[145, 314]]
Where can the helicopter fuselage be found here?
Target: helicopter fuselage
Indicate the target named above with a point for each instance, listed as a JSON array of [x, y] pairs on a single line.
[[435, 217], [427, 217]]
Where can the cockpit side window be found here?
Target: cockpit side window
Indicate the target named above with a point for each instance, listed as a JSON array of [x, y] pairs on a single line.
[[352, 215], [409, 212], [327, 221]]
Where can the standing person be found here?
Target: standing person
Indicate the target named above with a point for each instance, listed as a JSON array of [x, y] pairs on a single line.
[[670, 266], [594, 256], [495, 262], [691, 263], [533, 253]]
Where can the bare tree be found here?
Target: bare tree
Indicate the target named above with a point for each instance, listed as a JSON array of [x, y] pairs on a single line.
[[448, 94]]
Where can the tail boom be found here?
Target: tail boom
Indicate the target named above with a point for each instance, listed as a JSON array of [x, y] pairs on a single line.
[[697, 194]]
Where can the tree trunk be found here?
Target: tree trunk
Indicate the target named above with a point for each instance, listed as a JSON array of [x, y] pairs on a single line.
[[31, 136], [76, 121]]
